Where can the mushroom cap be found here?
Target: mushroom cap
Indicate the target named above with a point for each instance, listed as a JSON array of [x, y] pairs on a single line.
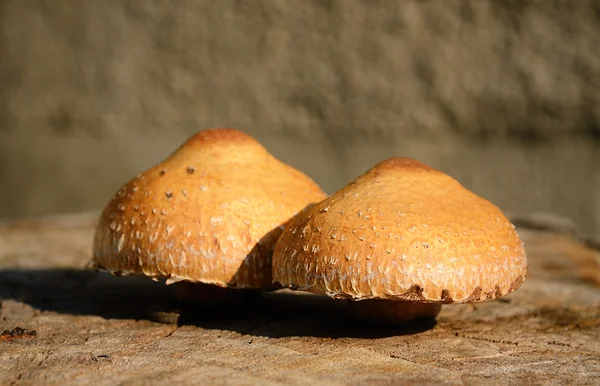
[[404, 231], [210, 213]]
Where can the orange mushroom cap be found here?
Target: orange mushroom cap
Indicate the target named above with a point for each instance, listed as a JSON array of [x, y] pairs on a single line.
[[404, 231], [210, 213]]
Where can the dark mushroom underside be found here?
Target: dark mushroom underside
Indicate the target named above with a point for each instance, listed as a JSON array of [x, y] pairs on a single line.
[[391, 312], [211, 295]]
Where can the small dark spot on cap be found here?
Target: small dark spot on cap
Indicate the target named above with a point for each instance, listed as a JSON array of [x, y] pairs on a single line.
[[414, 293], [191, 169], [446, 298], [492, 294], [169, 194], [162, 172], [515, 284], [497, 292], [475, 295]]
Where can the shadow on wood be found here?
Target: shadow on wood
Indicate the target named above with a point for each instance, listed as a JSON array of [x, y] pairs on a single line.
[[276, 314]]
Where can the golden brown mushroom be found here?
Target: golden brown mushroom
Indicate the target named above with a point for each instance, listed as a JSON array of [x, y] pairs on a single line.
[[210, 213], [399, 241]]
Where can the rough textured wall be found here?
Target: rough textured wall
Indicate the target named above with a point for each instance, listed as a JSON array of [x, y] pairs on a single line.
[[503, 95]]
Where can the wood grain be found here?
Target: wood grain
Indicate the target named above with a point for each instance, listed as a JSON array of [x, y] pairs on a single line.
[[96, 328]]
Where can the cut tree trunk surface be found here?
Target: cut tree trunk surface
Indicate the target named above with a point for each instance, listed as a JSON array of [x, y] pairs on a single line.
[[65, 324]]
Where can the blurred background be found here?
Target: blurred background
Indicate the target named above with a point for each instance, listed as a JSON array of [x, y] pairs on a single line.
[[502, 95]]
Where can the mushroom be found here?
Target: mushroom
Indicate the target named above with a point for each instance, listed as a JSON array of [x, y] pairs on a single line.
[[206, 217], [399, 241]]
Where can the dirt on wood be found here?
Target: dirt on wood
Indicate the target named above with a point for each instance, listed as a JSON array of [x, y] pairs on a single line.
[[64, 324]]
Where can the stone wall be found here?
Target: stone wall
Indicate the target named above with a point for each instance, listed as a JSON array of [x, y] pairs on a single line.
[[503, 95]]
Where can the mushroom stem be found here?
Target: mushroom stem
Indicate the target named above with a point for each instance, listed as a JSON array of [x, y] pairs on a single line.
[[212, 295], [391, 312]]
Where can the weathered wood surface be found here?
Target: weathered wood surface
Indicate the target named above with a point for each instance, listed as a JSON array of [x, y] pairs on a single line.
[[97, 329]]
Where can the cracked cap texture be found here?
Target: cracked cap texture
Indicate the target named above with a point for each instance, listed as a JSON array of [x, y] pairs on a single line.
[[402, 231], [209, 213]]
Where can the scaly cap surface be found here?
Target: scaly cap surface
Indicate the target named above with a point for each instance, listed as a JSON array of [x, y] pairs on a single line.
[[402, 231], [209, 213]]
